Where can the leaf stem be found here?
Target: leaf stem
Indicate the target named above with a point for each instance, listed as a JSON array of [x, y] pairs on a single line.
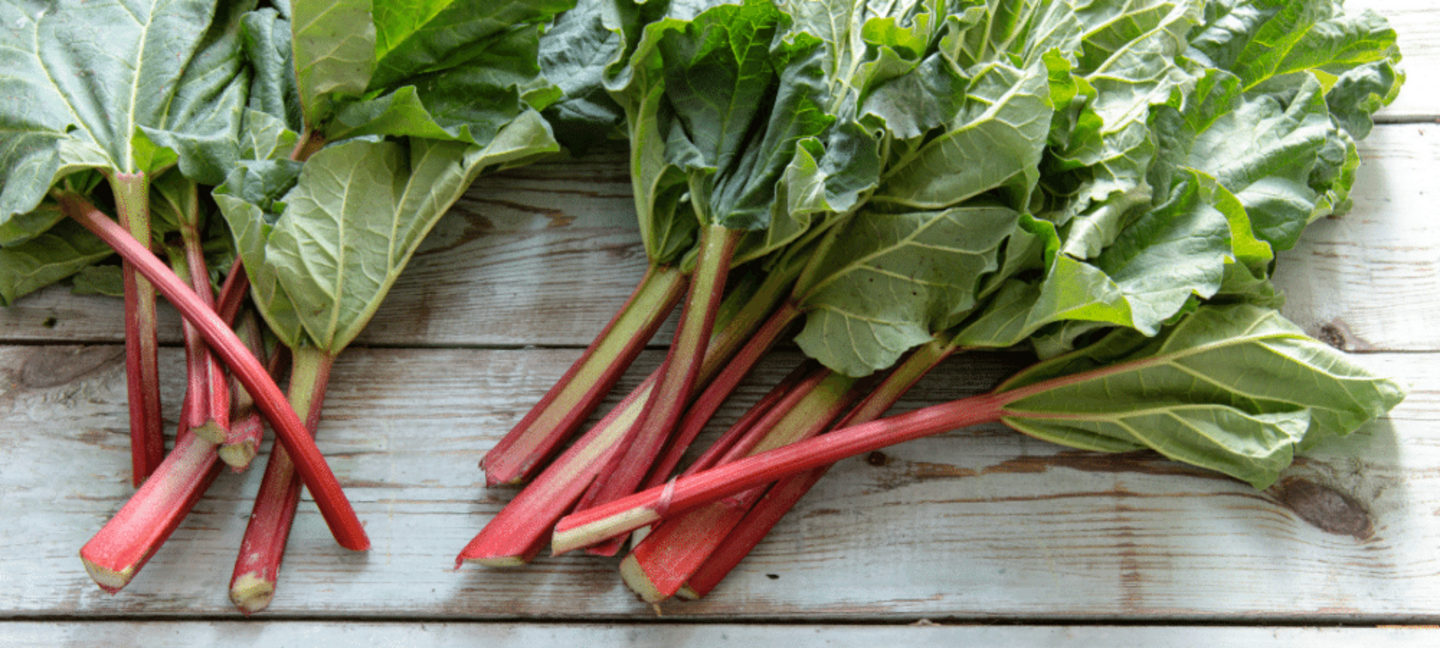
[[627, 468], [573, 398], [329, 497], [142, 344], [252, 585]]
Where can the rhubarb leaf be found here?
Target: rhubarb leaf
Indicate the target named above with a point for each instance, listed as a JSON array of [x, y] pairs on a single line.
[[57, 253], [88, 78], [357, 213], [333, 44], [1180, 394], [891, 280]]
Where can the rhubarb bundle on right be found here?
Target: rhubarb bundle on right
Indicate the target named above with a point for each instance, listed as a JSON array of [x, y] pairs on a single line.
[[1104, 184]]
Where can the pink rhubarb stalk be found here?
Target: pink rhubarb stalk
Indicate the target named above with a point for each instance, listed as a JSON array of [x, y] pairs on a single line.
[[662, 563], [252, 584], [627, 468], [115, 555], [329, 497], [247, 429], [573, 398], [787, 492], [521, 529], [142, 344], [641, 509]]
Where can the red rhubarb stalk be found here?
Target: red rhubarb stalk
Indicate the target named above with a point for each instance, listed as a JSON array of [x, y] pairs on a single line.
[[521, 529], [628, 467], [252, 585], [142, 345], [329, 497], [115, 555], [247, 429], [787, 492], [632, 512], [232, 292], [662, 563], [207, 386], [524, 451]]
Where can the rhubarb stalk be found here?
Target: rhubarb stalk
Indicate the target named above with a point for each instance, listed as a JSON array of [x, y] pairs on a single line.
[[142, 369], [787, 492], [628, 467], [329, 497], [252, 585], [662, 563], [518, 533], [648, 507], [524, 451], [115, 555]]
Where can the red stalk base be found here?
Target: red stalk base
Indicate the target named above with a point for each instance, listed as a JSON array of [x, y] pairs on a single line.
[[122, 547], [329, 497], [257, 567]]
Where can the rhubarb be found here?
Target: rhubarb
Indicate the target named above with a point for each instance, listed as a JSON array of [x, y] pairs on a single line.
[[257, 566]]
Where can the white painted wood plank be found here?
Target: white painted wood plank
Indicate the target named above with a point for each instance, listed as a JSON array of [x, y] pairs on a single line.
[[311, 634], [1417, 28], [1370, 279], [980, 524]]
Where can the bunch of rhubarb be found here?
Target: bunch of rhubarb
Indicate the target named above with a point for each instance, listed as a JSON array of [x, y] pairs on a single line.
[[1104, 184], [334, 135]]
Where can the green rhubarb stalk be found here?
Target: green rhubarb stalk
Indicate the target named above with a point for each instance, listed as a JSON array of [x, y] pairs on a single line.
[[573, 398], [252, 584], [323, 485], [142, 369]]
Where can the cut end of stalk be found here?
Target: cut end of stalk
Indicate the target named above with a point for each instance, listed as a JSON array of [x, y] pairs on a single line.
[[251, 593], [212, 432], [688, 593], [638, 581], [108, 579], [238, 456]]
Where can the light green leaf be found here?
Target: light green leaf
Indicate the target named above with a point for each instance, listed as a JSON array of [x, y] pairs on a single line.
[[334, 49], [82, 80], [250, 202], [359, 211], [889, 281], [1179, 393], [994, 142]]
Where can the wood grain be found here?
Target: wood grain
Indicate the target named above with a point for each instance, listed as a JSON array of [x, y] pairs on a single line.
[[972, 525], [155, 634]]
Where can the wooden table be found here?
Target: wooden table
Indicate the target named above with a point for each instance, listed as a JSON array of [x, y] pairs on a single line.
[[981, 536]]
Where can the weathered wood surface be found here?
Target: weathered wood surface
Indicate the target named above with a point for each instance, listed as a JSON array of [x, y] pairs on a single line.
[[445, 635], [971, 525]]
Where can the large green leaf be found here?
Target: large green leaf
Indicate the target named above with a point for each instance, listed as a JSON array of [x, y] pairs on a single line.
[[993, 142], [359, 210], [84, 79], [1180, 393], [891, 280]]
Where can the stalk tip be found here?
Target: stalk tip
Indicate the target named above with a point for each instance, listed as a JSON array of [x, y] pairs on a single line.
[[638, 581], [251, 593], [108, 579]]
